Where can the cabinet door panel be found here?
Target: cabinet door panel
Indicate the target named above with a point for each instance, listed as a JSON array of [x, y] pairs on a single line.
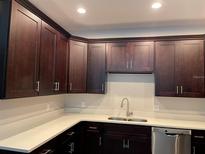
[[61, 64], [22, 71], [113, 144], [117, 58], [141, 57], [165, 69], [78, 67], [96, 73], [139, 145], [92, 142], [47, 59], [190, 68]]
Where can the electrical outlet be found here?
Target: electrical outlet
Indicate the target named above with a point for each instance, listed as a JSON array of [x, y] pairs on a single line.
[[83, 104]]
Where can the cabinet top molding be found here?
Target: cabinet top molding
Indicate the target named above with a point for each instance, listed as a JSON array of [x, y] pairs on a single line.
[[153, 38], [28, 5]]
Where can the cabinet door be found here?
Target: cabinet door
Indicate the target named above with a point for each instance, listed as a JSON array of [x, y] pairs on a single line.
[[141, 57], [165, 69], [47, 59], [117, 58], [198, 148], [61, 65], [113, 144], [96, 73], [139, 145], [22, 70], [78, 67], [93, 142], [190, 68]]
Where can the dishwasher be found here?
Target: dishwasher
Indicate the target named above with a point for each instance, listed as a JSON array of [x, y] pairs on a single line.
[[171, 141]]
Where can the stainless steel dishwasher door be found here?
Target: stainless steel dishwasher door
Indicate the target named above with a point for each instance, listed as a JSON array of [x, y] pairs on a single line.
[[171, 141]]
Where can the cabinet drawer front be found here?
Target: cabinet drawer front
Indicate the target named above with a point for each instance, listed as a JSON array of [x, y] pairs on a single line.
[[198, 136], [93, 126], [128, 129]]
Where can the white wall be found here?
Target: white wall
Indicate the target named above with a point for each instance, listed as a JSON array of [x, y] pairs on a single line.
[[17, 115], [140, 91]]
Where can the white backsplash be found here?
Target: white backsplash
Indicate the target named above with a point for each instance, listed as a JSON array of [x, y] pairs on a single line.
[[18, 115], [139, 89]]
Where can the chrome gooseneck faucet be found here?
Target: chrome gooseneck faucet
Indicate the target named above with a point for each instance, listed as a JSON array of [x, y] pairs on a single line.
[[128, 113]]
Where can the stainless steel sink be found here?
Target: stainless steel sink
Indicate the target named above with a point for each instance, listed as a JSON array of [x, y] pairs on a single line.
[[117, 118], [127, 119], [137, 120]]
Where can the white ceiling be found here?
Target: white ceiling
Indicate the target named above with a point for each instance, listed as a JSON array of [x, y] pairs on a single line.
[[107, 16]]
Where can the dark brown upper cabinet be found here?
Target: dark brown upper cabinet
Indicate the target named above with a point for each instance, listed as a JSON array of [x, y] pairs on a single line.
[[77, 67], [189, 68], [165, 68], [96, 68], [47, 59], [132, 57], [24, 43], [141, 57], [61, 64], [179, 68], [117, 57]]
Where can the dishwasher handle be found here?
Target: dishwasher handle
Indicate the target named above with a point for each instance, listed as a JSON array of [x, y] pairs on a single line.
[[172, 135]]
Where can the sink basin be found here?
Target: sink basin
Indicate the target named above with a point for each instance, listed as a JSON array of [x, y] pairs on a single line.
[[137, 120], [127, 119], [117, 118]]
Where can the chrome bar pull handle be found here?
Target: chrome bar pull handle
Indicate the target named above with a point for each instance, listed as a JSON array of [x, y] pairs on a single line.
[[100, 141], [131, 64], [58, 86], [123, 144], [194, 150], [127, 65], [55, 86], [182, 89], [177, 90], [71, 86], [128, 144], [38, 86], [102, 87]]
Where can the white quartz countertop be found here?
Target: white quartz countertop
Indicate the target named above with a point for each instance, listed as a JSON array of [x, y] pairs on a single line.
[[30, 140]]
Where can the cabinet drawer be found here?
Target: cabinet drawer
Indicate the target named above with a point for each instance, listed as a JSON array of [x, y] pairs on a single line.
[[198, 136], [93, 126], [128, 129]]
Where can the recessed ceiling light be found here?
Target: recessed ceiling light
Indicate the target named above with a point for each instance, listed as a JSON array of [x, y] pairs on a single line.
[[156, 5], [81, 10]]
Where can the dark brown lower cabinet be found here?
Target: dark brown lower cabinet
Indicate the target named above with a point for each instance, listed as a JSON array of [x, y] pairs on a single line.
[[99, 138], [92, 138], [198, 142], [125, 144], [126, 139]]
